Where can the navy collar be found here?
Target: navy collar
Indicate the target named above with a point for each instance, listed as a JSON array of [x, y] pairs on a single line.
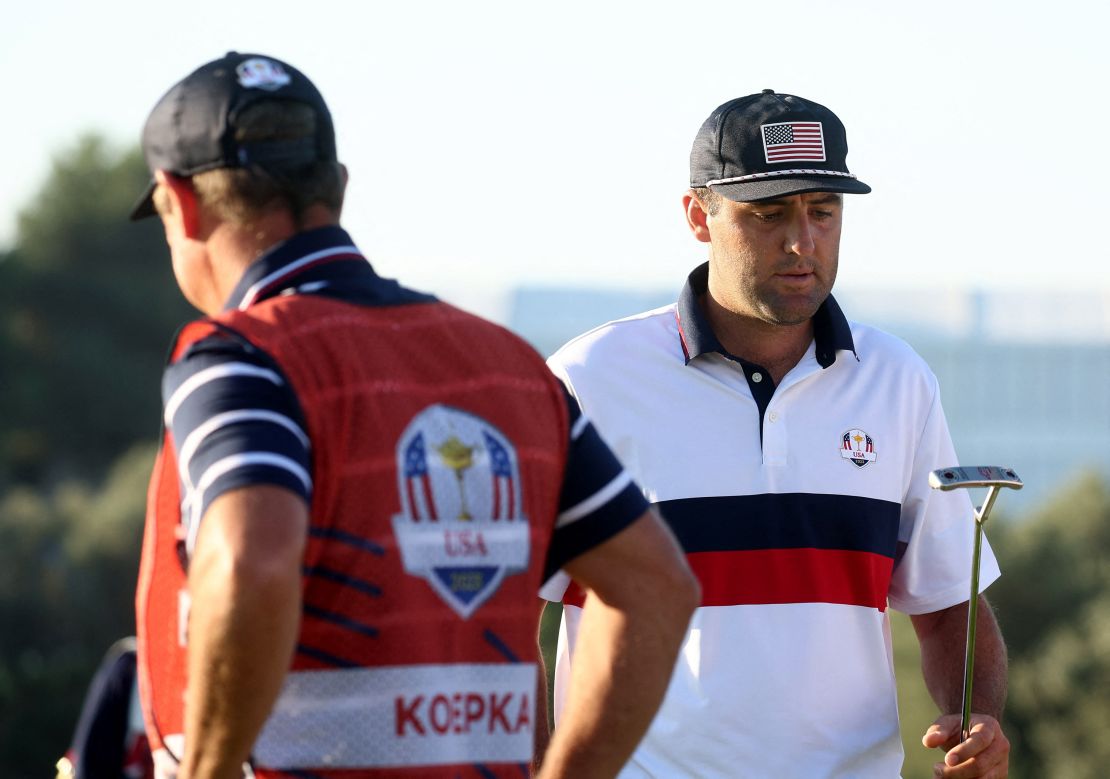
[[297, 260], [831, 331]]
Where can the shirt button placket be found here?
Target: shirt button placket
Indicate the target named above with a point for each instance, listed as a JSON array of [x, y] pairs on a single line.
[[774, 439]]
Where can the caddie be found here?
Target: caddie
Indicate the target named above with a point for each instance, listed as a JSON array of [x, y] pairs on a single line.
[[361, 489]]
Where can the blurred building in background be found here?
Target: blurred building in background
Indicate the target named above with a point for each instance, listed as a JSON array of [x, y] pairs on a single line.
[[1024, 376]]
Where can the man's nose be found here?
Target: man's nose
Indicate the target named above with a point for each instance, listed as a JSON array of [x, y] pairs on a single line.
[[799, 235]]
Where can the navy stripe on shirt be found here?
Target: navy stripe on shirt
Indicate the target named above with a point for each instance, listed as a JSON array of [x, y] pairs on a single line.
[[784, 521]]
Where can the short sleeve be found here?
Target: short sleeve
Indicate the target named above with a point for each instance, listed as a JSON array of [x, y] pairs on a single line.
[[234, 422], [598, 497], [936, 531]]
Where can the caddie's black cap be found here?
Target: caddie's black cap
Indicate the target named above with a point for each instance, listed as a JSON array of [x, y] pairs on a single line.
[[192, 128], [772, 145]]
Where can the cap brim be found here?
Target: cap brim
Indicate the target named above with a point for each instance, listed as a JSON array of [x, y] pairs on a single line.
[[747, 191], [145, 206]]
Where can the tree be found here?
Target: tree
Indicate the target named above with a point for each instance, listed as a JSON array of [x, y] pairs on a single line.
[[87, 307], [68, 566], [1053, 602]]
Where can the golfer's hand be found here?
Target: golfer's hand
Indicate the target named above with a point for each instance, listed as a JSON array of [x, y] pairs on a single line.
[[985, 754]]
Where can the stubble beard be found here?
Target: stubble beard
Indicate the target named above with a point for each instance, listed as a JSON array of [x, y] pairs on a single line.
[[766, 301], [784, 308], [777, 311]]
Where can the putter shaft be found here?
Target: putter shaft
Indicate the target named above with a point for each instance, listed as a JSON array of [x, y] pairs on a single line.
[[994, 478], [973, 612]]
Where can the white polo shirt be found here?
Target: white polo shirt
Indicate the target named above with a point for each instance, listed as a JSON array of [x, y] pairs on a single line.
[[805, 511]]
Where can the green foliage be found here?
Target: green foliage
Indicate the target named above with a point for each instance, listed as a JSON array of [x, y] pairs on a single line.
[[1053, 603], [68, 566], [88, 305], [1061, 698]]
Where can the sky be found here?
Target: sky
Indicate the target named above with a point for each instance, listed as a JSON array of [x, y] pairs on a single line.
[[498, 144]]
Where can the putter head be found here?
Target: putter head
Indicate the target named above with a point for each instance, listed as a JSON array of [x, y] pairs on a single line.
[[956, 477]]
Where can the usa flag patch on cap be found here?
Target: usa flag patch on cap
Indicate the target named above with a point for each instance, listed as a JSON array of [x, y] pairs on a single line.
[[794, 142]]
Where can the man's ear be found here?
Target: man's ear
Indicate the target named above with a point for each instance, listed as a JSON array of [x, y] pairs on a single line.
[[346, 177], [696, 216], [184, 210]]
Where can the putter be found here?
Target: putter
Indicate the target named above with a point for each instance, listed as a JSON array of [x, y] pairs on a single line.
[[994, 479]]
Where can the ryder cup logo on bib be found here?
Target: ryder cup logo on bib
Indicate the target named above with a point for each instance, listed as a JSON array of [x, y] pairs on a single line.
[[461, 525]]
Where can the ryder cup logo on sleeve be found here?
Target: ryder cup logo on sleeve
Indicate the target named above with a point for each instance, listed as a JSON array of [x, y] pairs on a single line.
[[461, 525], [261, 73]]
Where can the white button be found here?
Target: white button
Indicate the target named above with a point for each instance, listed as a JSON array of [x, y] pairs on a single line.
[[773, 416], [757, 377]]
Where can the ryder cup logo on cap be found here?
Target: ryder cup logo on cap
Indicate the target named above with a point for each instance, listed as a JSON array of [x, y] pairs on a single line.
[[193, 127], [262, 73], [461, 526], [772, 145]]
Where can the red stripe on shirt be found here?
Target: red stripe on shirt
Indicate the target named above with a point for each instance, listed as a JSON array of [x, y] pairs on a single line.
[[682, 336], [771, 576]]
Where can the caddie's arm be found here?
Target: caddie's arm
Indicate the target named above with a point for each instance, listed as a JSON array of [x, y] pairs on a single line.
[[942, 637], [245, 588], [640, 597]]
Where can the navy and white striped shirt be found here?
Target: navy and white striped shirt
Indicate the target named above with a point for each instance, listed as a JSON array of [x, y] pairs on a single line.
[[235, 420]]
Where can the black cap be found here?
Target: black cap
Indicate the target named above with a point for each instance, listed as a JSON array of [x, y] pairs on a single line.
[[772, 145], [192, 128]]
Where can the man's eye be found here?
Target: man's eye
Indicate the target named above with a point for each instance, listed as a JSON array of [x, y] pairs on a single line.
[[822, 214], [766, 217]]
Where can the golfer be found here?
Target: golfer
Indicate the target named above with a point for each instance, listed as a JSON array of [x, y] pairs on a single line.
[[789, 449]]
